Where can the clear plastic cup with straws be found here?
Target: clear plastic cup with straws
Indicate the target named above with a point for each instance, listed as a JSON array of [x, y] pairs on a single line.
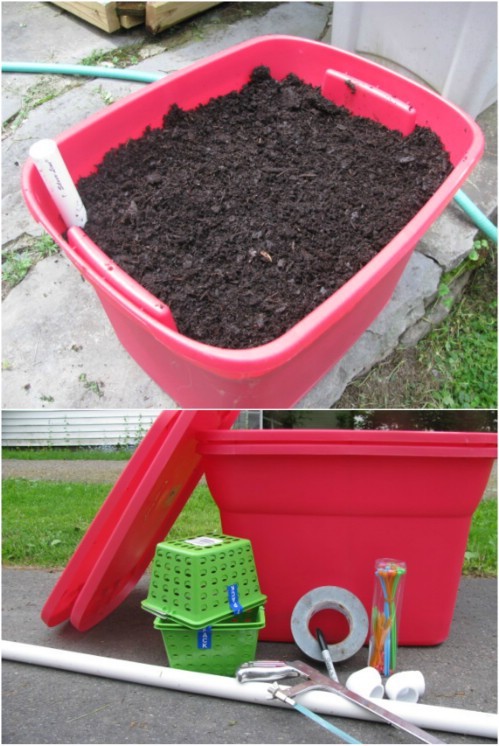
[[385, 615]]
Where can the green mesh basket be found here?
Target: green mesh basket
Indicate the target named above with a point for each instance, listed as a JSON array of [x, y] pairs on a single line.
[[220, 648], [202, 580]]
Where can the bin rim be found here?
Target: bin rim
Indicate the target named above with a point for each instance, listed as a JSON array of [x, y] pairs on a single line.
[[226, 623], [427, 443]]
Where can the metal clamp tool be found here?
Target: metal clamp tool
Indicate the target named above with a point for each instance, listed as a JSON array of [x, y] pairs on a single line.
[[273, 670]]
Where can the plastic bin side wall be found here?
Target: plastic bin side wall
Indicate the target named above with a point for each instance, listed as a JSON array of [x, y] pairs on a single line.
[[337, 516], [339, 553], [204, 382], [362, 485]]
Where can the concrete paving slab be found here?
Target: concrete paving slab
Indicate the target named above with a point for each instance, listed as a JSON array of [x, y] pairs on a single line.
[[66, 38], [42, 705], [51, 119], [442, 248], [307, 20], [43, 32], [49, 356]]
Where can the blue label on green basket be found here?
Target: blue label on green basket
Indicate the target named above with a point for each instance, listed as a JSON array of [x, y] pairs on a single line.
[[204, 638], [233, 594]]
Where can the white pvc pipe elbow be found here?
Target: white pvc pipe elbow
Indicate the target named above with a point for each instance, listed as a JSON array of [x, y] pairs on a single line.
[[405, 686], [366, 682]]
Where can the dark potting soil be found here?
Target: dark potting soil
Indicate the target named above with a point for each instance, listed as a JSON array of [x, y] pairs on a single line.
[[246, 213]]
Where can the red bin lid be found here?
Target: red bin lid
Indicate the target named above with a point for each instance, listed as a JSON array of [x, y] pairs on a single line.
[[137, 514]]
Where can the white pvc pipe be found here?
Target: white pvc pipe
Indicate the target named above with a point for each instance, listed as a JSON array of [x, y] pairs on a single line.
[[326, 703], [50, 164]]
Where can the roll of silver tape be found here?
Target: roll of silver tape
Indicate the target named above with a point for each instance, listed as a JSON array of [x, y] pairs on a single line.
[[337, 599]]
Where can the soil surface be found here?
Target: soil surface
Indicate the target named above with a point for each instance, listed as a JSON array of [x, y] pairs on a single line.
[[244, 214]]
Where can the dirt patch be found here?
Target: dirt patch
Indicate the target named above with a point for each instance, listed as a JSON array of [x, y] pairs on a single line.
[[244, 214]]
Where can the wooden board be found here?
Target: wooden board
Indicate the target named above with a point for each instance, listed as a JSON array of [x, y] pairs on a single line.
[[162, 15], [127, 21], [113, 16], [131, 14], [102, 15]]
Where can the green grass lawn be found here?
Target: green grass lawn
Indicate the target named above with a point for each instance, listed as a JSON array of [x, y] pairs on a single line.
[[67, 454], [43, 522], [463, 353], [481, 552]]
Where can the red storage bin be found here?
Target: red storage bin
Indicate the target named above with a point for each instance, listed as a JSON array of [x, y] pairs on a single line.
[[319, 507], [279, 373]]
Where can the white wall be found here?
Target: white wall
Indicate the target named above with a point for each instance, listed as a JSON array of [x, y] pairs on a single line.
[[450, 46], [87, 427], [75, 427]]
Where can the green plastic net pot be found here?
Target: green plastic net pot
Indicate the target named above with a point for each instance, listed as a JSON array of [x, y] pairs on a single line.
[[203, 580], [219, 649]]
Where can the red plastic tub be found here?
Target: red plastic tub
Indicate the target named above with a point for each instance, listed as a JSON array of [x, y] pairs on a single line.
[[280, 372], [319, 507]]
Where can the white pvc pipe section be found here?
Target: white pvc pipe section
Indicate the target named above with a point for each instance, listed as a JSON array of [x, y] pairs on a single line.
[[50, 164], [326, 703]]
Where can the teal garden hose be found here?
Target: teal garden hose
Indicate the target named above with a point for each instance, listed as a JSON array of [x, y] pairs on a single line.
[[477, 216], [139, 76]]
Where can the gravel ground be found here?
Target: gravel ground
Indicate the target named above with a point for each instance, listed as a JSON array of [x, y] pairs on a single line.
[[106, 472]]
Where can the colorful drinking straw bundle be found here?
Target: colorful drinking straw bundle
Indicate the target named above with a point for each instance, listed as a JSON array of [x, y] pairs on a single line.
[[385, 614]]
